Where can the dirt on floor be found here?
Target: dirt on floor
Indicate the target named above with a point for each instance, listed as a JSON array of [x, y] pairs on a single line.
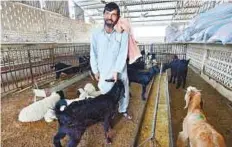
[[40, 133], [215, 106]]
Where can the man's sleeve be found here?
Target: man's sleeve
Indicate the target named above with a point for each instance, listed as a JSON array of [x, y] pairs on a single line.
[[93, 54], [122, 55]]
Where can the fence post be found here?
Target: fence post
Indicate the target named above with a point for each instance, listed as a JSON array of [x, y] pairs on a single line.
[[205, 55], [30, 64], [52, 53]]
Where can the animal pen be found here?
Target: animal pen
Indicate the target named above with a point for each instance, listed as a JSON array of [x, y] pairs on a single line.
[[156, 122]]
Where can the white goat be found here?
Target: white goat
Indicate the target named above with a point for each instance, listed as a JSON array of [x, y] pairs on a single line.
[[89, 91], [38, 109]]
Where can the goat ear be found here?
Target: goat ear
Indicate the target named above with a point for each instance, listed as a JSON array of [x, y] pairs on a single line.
[[187, 99]]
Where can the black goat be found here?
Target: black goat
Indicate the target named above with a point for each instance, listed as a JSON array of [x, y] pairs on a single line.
[[76, 117], [179, 71], [142, 77], [69, 69], [64, 68], [139, 65]]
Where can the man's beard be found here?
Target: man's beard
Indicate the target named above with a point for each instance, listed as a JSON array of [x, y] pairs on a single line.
[[110, 25]]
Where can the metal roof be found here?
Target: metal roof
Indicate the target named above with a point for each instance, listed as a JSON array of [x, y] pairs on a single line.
[[148, 12]]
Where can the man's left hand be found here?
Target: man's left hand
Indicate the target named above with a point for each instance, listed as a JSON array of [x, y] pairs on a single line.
[[115, 76]]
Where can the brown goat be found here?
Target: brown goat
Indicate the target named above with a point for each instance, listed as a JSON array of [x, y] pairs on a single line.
[[195, 126]]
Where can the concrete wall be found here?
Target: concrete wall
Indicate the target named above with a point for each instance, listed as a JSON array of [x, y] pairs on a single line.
[[23, 23], [214, 64]]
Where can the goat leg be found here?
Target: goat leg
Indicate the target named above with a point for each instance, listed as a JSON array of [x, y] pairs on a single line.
[[174, 79], [106, 128], [60, 135], [178, 81], [58, 75], [181, 140], [170, 80], [75, 137], [144, 92], [184, 81]]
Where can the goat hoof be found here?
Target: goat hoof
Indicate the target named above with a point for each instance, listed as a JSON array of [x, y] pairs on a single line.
[[108, 141]]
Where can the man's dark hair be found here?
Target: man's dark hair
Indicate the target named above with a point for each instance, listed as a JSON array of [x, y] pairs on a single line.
[[112, 6]]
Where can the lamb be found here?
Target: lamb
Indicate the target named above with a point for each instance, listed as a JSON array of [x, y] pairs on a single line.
[[142, 77], [179, 71], [50, 114], [89, 91], [37, 110], [76, 117], [195, 126]]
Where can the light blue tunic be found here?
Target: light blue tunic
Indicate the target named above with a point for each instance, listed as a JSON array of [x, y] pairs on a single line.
[[108, 54]]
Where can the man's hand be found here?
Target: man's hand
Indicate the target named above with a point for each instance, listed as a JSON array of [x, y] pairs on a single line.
[[115, 76], [96, 76]]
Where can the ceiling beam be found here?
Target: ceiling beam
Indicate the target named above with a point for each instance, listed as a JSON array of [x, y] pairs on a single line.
[[85, 5], [147, 16], [167, 14], [160, 20], [157, 23], [154, 20], [157, 9], [130, 3], [146, 10]]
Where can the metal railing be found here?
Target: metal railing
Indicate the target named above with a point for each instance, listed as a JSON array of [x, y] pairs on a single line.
[[23, 64], [164, 52]]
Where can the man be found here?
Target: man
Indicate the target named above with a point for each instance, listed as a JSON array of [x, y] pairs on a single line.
[[108, 55]]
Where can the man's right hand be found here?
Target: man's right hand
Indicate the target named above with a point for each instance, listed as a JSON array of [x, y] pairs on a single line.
[[96, 76]]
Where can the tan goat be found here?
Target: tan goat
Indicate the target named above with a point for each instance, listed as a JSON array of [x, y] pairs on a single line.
[[195, 126]]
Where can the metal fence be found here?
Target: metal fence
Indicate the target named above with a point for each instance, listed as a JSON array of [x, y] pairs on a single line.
[[164, 52], [21, 65]]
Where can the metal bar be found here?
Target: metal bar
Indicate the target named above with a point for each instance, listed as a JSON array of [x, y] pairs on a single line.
[[167, 14], [30, 64], [156, 104], [160, 20], [127, 3], [13, 79], [6, 75], [86, 6], [139, 16], [151, 9], [169, 113]]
